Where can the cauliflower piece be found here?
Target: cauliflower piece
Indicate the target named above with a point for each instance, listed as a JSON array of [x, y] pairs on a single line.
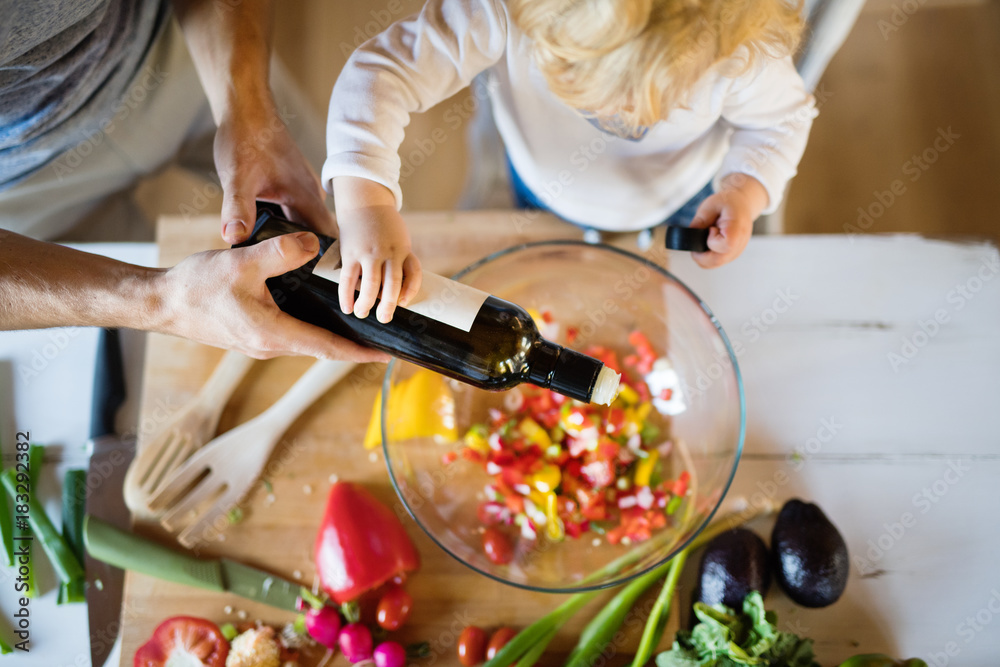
[[257, 647]]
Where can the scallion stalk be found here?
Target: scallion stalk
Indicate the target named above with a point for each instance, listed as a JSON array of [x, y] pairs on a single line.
[[602, 628], [66, 565]]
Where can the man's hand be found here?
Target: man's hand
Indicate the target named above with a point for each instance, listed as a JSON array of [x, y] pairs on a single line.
[[256, 158], [730, 214], [376, 259], [219, 297]]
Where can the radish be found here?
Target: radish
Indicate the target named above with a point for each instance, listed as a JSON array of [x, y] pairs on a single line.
[[323, 625], [390, 654], [356, 642]]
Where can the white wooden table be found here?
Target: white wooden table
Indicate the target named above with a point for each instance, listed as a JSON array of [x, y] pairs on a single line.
[[901, 452], [877, 360]]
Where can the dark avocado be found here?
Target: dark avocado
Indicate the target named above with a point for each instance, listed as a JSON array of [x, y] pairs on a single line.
[[734, 564], [810, 556]]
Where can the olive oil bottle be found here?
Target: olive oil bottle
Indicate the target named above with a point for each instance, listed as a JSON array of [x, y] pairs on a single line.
[[449, 327]]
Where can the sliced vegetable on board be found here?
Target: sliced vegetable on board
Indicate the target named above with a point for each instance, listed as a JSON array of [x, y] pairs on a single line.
[[361, 544], [184, 640]]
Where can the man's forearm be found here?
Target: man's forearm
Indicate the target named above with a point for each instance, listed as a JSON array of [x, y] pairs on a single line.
[[231, 48], [48, 285]]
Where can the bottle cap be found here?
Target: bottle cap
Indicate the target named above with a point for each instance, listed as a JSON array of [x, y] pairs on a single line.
[[575, 375], [606, 387]]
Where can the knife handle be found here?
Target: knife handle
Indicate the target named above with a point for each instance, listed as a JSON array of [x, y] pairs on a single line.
[[109, 383], [132, 552]]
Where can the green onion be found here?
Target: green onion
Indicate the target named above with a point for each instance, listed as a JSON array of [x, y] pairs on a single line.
[[6, 531], [594, 638], [66, 565], [36, 457], [536, 651], [234, 515], [657, 621], [541, 631], [74, 501], [5, 648], [74, 498]]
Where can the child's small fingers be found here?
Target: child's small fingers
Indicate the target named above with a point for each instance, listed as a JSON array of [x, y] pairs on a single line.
[[709, 260], [718, 241], [413, 277], [371, 285], [350, 272], [392, 280], [707, 213]]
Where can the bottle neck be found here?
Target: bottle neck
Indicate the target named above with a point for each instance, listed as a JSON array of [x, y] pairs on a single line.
[[563, 370]]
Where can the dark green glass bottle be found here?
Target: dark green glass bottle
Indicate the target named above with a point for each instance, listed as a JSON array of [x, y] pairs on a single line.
[[501, 348]]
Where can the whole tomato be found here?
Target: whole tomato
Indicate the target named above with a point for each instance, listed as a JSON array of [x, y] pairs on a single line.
[[498, 641], [497, 546], [472, 646], [393, 608]]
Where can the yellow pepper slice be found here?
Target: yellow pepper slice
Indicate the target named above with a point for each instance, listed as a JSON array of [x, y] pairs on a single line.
[[554, 526], [547, 479], [644, 468], [421, 406]]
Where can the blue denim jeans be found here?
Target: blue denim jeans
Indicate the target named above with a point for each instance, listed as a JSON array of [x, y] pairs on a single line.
[[524, 198]]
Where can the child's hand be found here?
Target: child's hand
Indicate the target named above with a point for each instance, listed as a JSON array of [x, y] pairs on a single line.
[[374, 249], [730, 213]]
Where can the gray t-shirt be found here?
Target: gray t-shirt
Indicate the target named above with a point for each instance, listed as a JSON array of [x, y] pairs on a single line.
[[65, 67]]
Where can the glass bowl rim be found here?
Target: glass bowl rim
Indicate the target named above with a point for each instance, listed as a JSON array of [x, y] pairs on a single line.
[[739, 445]]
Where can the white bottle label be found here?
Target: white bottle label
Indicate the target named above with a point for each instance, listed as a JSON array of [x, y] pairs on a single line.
[[439, 298]]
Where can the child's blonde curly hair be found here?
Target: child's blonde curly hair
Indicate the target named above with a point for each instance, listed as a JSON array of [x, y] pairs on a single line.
[[637, 59]]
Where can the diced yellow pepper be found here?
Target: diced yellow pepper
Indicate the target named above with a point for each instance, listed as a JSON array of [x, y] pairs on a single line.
[[642, 412], [477, 441], [547, 479], [536, 316], [554, 526], [627, 394], [644, 468], [535, 434]]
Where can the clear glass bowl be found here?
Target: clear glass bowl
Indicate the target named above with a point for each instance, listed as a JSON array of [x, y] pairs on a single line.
[[605, 293]]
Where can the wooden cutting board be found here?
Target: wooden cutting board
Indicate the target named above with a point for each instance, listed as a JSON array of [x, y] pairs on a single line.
[[324, 444]]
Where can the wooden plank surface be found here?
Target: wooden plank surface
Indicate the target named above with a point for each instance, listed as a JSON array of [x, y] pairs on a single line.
[[891, 437], [325, 441]]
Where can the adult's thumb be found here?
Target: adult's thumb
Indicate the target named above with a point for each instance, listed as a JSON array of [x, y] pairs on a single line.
[[238, 215], [284, 253]]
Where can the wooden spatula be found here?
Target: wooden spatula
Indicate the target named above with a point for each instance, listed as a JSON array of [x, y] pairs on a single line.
[[212, 482], [191, 427]]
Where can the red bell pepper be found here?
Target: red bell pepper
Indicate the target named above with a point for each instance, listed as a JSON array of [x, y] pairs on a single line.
[[361, 544]]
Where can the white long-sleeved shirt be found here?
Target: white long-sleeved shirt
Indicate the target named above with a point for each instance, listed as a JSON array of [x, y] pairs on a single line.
[[755, 124]]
